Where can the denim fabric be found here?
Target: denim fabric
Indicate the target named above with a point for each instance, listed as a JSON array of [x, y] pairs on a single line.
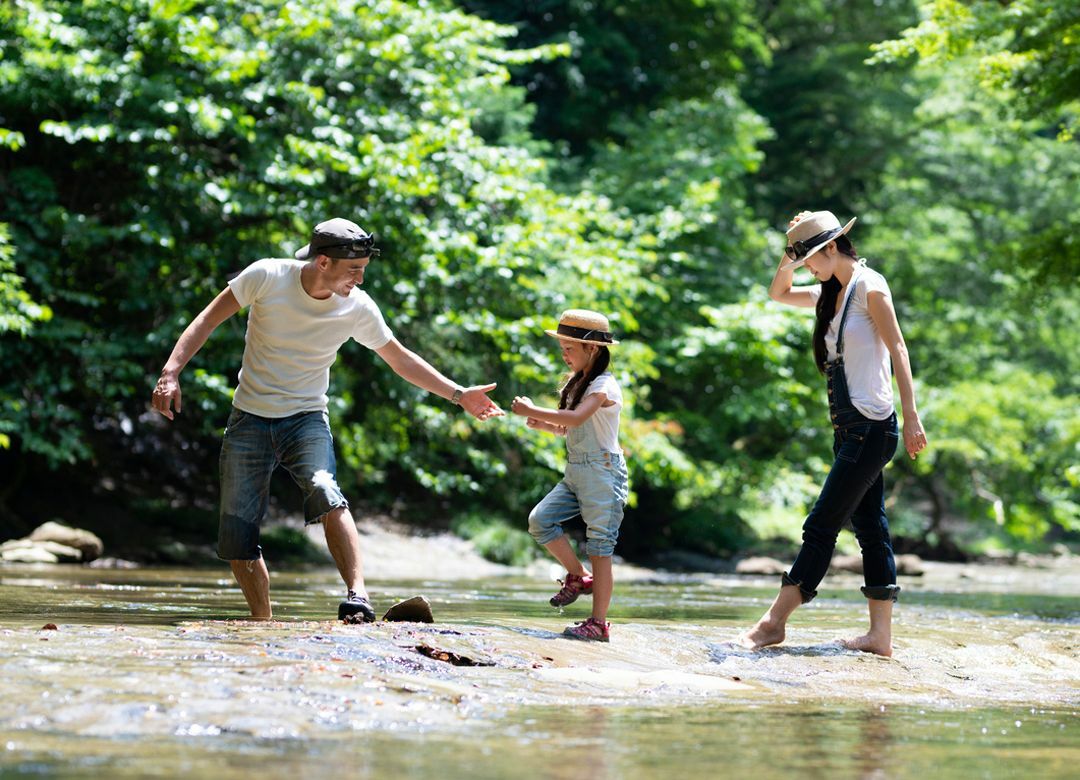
[[595, 487], [251, 449], [853, 490]]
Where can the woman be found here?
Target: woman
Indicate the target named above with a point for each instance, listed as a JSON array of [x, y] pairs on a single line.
[[855, 337]]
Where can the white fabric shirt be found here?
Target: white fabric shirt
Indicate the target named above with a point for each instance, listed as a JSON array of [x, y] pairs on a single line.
[[605, 421], [867, 364], [292, 339]]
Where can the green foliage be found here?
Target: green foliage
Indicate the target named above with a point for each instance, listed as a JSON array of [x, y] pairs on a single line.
[[1005, 450], [1027, 51], [497, 540], [630, 157], [286, 545], [838, 121], [624, 57]]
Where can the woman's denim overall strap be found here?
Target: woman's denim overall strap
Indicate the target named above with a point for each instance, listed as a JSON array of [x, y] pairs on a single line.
[[854, 490], [842, 411]]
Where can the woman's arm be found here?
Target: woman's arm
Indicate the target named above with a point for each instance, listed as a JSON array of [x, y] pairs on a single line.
[[565, 418], [884, 316], [781, 290]]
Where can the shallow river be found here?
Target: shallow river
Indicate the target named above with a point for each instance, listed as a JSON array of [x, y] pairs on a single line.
[[150, 673]]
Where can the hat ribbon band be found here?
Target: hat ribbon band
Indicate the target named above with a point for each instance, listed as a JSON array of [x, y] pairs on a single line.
[[803, 247], [583, 333]]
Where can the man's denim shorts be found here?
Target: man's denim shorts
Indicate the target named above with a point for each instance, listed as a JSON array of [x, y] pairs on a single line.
[[251, 449], [595, 486]]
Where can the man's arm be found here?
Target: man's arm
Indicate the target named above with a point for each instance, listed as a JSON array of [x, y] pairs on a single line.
[[191, 340], [415, 370]]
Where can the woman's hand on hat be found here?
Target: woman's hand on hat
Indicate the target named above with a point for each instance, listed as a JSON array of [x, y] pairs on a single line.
[[798, 218], [522, 405], [474, 400]]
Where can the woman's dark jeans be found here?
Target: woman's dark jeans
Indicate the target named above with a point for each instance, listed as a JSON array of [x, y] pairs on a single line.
[[854, 489]]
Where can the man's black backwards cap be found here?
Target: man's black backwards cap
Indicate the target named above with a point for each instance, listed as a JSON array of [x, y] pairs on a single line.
[[338, 238]]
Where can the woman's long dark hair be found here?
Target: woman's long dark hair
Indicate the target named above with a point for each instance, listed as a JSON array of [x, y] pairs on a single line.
[[576, 385], [826, 305]]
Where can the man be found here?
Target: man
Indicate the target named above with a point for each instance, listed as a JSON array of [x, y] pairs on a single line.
[[301, 312]]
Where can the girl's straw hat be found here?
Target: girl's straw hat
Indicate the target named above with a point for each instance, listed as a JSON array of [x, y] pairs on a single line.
[[812, 233], [584, 326]]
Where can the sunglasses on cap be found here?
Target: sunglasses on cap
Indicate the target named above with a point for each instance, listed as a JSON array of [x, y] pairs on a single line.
[[356, 249]]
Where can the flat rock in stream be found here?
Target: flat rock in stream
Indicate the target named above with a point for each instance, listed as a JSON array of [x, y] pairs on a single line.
[[414, 610]]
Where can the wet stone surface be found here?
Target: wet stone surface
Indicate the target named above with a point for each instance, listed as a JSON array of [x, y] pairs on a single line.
[[149, 670]]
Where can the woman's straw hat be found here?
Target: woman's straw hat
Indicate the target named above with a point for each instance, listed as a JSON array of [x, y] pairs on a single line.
[[812, 233], [584, 326]]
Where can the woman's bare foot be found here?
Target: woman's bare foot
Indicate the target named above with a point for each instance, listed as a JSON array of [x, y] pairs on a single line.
[[765, 633], [869, 643]]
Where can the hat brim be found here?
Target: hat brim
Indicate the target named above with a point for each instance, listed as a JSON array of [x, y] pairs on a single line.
[[303, 253], [560, 336], [802, 260]]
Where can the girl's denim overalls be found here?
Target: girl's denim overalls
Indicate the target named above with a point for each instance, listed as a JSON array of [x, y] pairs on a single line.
[[854, 489], [594, 486]]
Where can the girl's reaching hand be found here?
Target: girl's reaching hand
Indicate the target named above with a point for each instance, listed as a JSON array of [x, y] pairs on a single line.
[[522, 405]]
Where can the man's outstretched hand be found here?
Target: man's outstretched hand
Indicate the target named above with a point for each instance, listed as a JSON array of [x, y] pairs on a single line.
[[475, 401]]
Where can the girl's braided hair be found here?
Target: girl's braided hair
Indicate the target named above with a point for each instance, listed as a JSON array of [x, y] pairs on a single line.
[[575, 386]]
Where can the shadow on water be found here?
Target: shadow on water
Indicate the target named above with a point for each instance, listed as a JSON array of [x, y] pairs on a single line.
[[154, 672]]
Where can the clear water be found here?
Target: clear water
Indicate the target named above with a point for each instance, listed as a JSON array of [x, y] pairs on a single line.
[[152, 673]]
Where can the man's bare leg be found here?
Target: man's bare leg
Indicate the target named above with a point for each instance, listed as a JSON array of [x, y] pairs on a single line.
[[254, 581], [344, 544], [770, 630]]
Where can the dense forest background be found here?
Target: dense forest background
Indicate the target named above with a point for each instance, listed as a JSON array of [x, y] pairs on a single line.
[[515, 159]]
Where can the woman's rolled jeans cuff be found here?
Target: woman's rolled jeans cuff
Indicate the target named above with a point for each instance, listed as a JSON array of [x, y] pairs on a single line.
[[807, 595], [882, 592]]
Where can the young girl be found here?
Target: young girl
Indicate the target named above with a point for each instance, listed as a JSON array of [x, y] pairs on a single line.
[[595, 483]]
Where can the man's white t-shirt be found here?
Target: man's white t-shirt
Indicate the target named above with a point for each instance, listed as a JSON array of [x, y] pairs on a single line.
[[605, 420], [292, 339], [867, 365]]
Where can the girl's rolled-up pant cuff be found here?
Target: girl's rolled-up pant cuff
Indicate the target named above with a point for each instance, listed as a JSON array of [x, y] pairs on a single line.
[[882, 592], [807, 595]]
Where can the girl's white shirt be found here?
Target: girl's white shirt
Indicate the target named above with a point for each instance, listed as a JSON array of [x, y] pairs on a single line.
[[605, 420], [867, 364]]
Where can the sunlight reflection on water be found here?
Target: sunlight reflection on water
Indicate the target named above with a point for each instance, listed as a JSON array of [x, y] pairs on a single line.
[[167, 676]]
